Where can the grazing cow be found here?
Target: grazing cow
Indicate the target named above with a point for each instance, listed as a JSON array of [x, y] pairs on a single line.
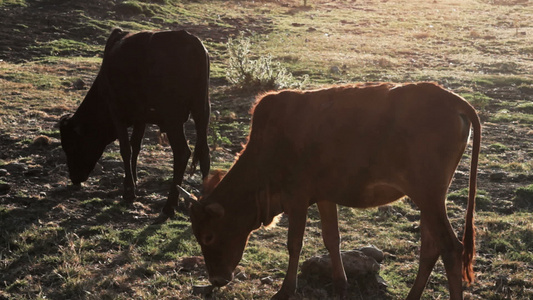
[[358, 146], [145, 78]]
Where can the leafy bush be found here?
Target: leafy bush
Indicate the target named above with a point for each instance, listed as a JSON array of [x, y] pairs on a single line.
[[261, 73]]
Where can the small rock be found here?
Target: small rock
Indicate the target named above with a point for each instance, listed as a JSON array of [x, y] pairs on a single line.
[[355, 262], [335, 70], [498, 176], [314, 293], [15, 168], [114, 164], [191, 263], [79, 84], [373, 252], [35, 171], [267, 280], [41, 141], [241, 276], [4, 188]]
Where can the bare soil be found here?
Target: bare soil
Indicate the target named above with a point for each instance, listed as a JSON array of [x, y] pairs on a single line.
[[36, 188]]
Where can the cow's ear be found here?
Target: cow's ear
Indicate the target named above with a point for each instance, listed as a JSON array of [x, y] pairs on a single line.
[[64, 121], [214, 210], [211, 181]]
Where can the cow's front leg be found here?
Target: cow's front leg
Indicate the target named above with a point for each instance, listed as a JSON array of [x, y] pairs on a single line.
[[181, 153], [125, 152], [297, 220], [331, 237]]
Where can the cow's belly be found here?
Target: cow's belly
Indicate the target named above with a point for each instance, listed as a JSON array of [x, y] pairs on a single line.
[[372, 196], [361, 195]]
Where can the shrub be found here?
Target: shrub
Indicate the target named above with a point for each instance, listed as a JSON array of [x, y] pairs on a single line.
[[261, 73]]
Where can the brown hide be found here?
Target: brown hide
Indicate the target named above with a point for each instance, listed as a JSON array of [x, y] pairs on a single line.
[[358, 146]]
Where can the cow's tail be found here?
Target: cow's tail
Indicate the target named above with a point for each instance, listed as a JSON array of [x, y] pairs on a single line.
[[201, 111], [469, 235]]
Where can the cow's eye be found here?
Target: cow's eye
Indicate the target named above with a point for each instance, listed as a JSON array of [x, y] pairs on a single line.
[[208, 239]]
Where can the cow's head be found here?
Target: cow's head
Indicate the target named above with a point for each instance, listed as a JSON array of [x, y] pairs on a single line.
[[221, 238], [81, 149]]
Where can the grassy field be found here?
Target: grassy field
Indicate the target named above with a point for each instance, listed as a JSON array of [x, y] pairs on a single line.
[[59, 242]]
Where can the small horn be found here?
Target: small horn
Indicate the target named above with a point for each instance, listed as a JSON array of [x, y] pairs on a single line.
[[187, 196]]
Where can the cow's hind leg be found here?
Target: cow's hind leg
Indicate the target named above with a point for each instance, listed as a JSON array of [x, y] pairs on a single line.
[[330, 235], [438, 238], [429, 253], [181, 153], [201, 113], [453, 263]]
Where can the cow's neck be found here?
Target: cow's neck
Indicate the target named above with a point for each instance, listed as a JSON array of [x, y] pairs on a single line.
[[94, 116], [268, 206], [94, 109], [247, 196]]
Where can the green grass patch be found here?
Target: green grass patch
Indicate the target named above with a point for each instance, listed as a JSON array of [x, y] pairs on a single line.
[[526, 108], [67, 47], [498, 148], [524, 197], [483, 200], [13, 3], [477, 99], [77, 244], [502, 80], [506, 116]]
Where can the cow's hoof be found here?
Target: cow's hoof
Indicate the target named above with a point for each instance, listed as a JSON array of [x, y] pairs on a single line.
[[129, 196], [128, 199], [162, 218]]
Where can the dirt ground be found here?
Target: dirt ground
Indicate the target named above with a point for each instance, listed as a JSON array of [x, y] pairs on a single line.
[[36, 187]]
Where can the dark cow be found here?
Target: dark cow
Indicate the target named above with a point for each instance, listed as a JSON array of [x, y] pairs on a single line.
[[145, 78], [359, 146]]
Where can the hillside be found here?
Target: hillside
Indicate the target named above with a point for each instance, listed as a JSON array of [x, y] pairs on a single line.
[[59, 242]]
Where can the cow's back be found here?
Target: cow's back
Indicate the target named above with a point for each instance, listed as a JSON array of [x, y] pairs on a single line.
[[156, 54], [162, 72], [345, 139]]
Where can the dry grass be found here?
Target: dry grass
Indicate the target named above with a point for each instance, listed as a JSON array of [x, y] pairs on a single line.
[[57, 242]]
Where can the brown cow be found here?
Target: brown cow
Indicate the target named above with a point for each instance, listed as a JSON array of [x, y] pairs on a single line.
[[359, 146], [146, 78]]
